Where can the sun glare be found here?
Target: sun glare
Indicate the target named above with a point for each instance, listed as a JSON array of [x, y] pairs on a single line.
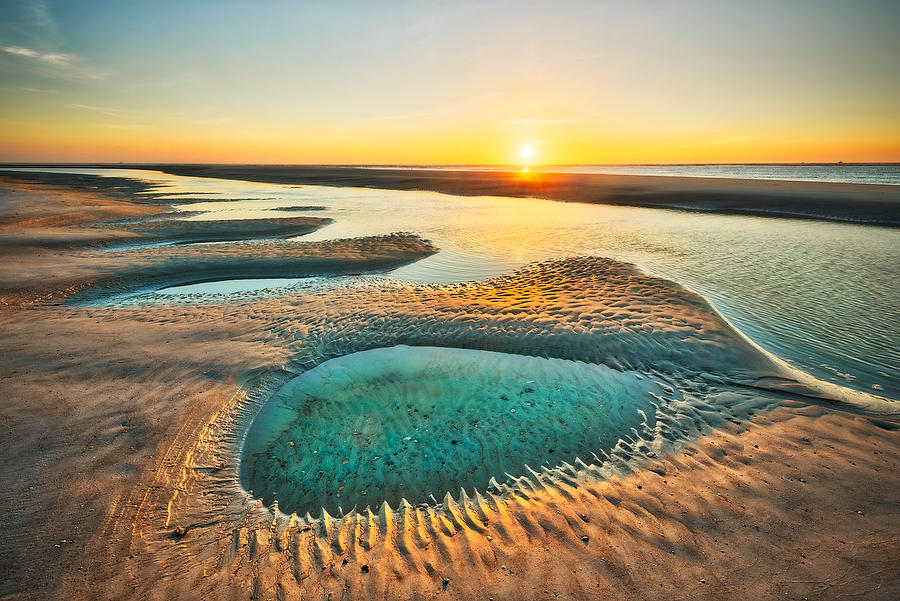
[[526, 154]]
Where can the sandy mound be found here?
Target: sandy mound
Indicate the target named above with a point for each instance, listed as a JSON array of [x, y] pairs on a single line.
[[180, 230]]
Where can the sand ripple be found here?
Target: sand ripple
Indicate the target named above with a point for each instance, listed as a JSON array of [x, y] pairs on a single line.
[[583, 309]]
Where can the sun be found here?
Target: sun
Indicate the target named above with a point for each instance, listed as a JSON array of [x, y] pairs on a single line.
[[527, 154]]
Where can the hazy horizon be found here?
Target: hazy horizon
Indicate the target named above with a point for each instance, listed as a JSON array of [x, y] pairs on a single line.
[[501, 83], [509, 164]]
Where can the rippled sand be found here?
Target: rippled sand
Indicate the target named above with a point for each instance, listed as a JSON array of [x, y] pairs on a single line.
[[125, 424], [69, 241]]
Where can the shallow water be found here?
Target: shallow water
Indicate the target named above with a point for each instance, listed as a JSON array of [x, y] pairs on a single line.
[[884, 173], [416, 422], [820, 295], [237, 289], [231, 286]]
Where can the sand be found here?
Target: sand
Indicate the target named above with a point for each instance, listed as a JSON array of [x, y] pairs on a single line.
[[58, 241], [123, 424], [857, 203]]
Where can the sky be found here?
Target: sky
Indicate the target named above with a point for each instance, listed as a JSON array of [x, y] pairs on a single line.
[[450, 82]]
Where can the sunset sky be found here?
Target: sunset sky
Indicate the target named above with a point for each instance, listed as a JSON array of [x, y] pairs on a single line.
[[450, 82]]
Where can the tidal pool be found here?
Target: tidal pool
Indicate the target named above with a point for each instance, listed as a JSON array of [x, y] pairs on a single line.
[[417, 422]]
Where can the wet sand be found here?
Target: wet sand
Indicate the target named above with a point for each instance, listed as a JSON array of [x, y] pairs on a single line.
[[122, 428], [857, 203], [59, 240]]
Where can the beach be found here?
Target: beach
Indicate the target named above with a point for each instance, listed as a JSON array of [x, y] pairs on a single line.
[[857, 203], [127, 415], [469, 301]]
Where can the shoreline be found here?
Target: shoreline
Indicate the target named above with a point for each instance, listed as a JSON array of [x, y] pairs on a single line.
[[868, 204], [125, 423], [90, 240]]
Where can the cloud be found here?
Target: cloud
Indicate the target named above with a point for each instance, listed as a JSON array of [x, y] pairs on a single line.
[[57, 63], [52, 58], [104, 110], [28, 23], [38, 90], [29, 33]]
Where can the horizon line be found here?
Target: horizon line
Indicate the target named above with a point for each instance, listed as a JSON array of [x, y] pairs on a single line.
[[444, 165]]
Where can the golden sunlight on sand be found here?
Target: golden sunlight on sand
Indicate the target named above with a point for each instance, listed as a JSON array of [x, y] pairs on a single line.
[[734, 481]]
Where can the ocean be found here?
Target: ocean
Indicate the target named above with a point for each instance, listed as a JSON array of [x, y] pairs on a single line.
[[819, 295], [847, 173]]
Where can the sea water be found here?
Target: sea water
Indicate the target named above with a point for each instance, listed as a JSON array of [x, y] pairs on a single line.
[[820, 295], [417, 422], [846, 173]]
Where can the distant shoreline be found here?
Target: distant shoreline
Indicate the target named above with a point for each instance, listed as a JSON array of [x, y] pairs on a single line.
[[871, 204]]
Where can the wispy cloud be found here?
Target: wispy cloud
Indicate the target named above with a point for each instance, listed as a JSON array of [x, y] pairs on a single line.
[[38, 90], [30, 39], [52, 58], [103, 110], [57, 63], [28, 23], [534, 122]]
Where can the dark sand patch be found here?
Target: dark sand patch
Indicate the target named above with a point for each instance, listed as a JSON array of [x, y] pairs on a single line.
[[123, 188], [157, 267], [38, 211], [220, 230], [300, 208], [49, 239], [51, 214]]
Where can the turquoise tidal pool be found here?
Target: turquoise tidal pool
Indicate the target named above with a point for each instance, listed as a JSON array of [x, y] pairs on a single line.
[[416, 423]]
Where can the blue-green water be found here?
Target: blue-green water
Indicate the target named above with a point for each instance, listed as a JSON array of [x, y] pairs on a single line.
[[417, 422]]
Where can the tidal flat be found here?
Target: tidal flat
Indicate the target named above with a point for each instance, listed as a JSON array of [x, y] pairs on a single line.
[[218, 443]]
